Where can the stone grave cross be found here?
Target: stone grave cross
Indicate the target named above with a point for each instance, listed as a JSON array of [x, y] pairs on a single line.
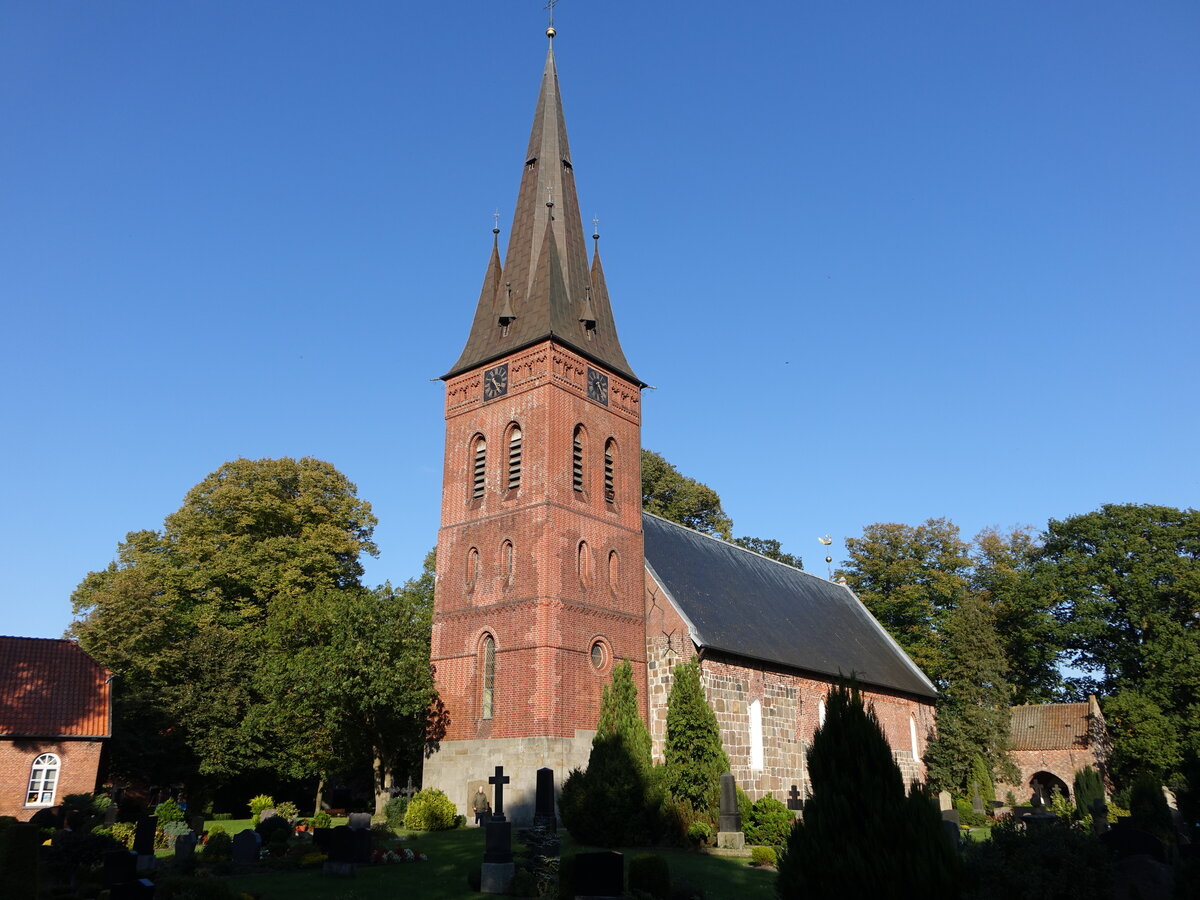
[[499, 780], [794, 800], [408, 790]]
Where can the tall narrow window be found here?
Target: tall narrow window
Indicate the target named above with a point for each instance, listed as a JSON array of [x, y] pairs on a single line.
[[43, 780], [479, 467], [610, 488], [472, 567], [577, 459], [756, 736], [614, 571], [912, 736], [821, 713], [506, 561], [514, 458], [584, 563], [489, 676]]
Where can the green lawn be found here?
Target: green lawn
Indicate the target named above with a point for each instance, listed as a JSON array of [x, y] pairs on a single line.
[[452, 854]]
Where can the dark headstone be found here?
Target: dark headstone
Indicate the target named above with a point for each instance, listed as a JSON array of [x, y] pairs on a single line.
[[543, 804], [599, 874], [1099, 810], [360, 847], [499, 780], [337, 844], [140, 889], [143, 835], [497, 847], [1124, 840], [119, 866], [951, 815], [185, 847], [110, 814], [795, 802], [245, 847], [359, 821], [323, 839], [730, 819], [196, 823]]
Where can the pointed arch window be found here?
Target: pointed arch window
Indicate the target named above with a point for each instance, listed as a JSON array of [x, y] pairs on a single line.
[[472, 567], [506, 561], [614, 571], [584, 564], [487, 705], [514, 457], [610, 463], [577, 449], [478, 466], [43, 780]]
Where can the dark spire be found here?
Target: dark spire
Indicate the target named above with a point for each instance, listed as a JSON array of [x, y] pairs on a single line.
[[549, 291]]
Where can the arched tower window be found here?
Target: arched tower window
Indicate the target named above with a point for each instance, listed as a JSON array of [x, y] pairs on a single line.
[[584, 563], [478, 466], [489, 676], [577, 449], [43, 780], [506, 561], [472, 567], [614, 570], [610, 483], [514, 457]]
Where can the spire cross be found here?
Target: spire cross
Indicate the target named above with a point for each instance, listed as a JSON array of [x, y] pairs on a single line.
[[550, 6], [595, 228], [496, 222]]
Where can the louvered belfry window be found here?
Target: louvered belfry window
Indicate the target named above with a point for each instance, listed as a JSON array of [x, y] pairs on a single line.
[[610, 491], [514, 458], [577, 459], [479, 468]]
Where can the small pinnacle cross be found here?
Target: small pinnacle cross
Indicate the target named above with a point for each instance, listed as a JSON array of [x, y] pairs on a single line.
[[595, 228], [496, 222]]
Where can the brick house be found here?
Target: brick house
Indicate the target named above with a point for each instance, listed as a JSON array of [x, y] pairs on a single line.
[[548, 571], [55, 714], [1051, 742]]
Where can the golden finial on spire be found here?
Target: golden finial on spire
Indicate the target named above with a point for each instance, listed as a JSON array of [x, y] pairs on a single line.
[[550, 32]]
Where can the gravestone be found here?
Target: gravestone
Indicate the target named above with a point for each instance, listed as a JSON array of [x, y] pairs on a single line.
[[729, 824], [359, 821], [266, 814], [197, 824], [499, 780], [1124, 840], [976, 802], [408, 790], [945, 801], [339, 846], [185, 848], [139, 889], [322, 839], [245, 847], [795, 802], [110, 814], [543, 804], [1099, 816], [599, 875], [950, 826], [360, 846], [120, 866], [143, 842]]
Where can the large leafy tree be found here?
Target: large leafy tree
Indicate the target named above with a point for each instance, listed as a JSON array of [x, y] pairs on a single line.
[[771, 548], [1004, 577], [668, 493], [974, 717], [181, 616], [1126, 587], [910, 578]]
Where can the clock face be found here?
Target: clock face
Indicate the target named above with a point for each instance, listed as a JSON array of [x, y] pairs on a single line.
[[495, 382], [597, 386]]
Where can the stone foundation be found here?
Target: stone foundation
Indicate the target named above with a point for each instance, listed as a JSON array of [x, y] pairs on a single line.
[[458, 767]]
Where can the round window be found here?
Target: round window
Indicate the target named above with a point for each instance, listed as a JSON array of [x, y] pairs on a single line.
[[598, 655]]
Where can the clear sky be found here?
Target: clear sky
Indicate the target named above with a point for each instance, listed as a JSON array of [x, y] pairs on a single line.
[[881, 261]]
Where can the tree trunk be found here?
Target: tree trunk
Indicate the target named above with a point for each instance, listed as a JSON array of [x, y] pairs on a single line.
[[320, 798], [381, 795]]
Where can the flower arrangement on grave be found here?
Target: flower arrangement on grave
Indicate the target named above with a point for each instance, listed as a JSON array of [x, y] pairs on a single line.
[[401, 855]]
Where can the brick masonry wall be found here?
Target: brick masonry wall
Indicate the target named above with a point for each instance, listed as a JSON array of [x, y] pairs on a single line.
[[790, 707], [80, 761], [1061, 763]]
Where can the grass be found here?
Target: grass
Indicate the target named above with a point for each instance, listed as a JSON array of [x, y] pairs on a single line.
[[452, 854]]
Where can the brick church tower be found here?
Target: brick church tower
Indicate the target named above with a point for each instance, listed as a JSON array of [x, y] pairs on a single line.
[[540, 568]]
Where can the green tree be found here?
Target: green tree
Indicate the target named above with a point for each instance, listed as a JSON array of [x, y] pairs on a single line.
[[694, 759], [1003, 575], [1145, 741], [770, 548], [667, 493], [619, 715], [1126, 589], [974, 715], [180, 617], [910, 578], [861, 835]]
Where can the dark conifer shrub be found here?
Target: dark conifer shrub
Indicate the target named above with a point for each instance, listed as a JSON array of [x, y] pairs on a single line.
[[693, 755], [861, 835], [1088, 788]]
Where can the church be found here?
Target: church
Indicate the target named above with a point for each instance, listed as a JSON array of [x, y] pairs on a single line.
[[548, 571]]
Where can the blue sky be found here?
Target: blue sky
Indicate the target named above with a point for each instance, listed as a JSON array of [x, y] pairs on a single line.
[[880, 261]]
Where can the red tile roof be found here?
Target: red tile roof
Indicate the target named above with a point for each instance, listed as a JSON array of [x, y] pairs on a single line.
[[1050, 726], [51, 688]]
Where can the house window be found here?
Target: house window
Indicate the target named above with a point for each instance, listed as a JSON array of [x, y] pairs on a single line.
[[479, 466], [577, 459], [489, 676], [756, 736], [43, 780], [610, 453], [514, 458]]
